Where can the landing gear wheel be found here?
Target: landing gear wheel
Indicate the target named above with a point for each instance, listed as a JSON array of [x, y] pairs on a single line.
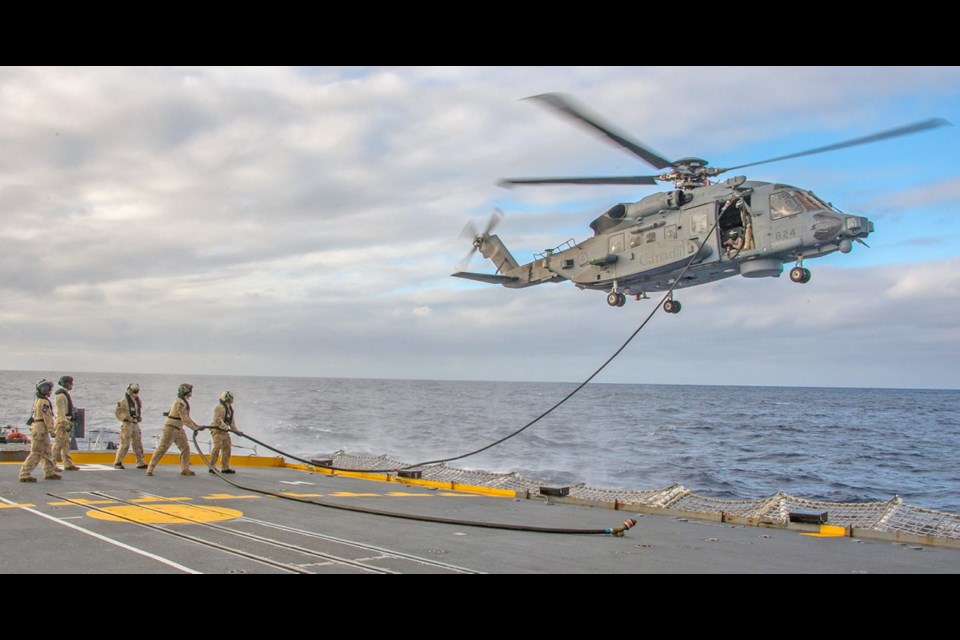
[[671, 306], [613, 299], [806, 276], [621, 299], [799, 274]]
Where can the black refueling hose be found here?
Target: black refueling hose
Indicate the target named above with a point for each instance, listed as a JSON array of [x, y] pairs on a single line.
[[615, 531]]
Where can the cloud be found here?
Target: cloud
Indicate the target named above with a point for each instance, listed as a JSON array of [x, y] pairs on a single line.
[[300, 221]]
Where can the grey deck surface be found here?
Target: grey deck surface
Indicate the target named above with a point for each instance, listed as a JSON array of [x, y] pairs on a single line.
[[101, 520]]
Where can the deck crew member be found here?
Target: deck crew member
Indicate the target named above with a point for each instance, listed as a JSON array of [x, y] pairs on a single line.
[[223, 423], [129, 412], [63, 424], [173, 433], [41, 425]]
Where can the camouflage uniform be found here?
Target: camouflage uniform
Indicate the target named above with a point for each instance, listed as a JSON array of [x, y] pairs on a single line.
[[223, 423], [40, 449], [129, 412], [173, 433], [63, 428]]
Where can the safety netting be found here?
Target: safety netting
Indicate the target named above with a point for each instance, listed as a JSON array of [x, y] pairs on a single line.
[[892, 516]]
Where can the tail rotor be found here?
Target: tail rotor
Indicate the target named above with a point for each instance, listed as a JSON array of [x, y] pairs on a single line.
[[470, 231]]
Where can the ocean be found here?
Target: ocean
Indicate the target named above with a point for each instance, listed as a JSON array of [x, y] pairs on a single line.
[[726, 442]]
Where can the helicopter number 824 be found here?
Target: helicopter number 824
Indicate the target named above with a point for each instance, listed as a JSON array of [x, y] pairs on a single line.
[[699, 232]]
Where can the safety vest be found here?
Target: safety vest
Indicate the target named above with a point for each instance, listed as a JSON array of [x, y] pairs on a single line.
[[69, 402], [134, 410], [228, 418]]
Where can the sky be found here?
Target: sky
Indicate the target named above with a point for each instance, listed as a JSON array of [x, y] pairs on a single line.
[[279, 221]]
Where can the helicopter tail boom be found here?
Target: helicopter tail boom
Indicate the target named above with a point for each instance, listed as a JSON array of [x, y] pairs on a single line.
[[492, 248], [510, 273]]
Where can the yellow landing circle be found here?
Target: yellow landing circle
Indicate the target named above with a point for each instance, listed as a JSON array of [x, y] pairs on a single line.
[[165, 513]]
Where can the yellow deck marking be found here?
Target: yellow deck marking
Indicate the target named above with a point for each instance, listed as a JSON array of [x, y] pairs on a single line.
[[347, 494], [16, 506], [401, 494], [302, 495], [82, 502], [828, 531], [228, 496], [459, 495], [165, 514], [152, 499]]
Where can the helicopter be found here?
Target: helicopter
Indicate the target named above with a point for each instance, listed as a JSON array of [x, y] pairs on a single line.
[[701, 231]]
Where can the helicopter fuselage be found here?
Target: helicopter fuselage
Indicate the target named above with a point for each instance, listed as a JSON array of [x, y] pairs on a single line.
[[697, 233], [683, 238]]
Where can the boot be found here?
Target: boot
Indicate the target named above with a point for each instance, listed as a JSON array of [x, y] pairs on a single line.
[[53, 476], [187, 472], [28, 479]]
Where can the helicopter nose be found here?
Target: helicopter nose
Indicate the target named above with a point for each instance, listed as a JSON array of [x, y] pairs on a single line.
[[831, 227]]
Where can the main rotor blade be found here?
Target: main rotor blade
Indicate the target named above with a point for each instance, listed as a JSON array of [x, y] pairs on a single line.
[[565, 105], [883, 135], [599, 180]]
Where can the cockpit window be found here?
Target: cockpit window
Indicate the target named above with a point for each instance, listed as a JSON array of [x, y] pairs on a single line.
[[788, 203], [782, 205], [808, 201], [820, 203]]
